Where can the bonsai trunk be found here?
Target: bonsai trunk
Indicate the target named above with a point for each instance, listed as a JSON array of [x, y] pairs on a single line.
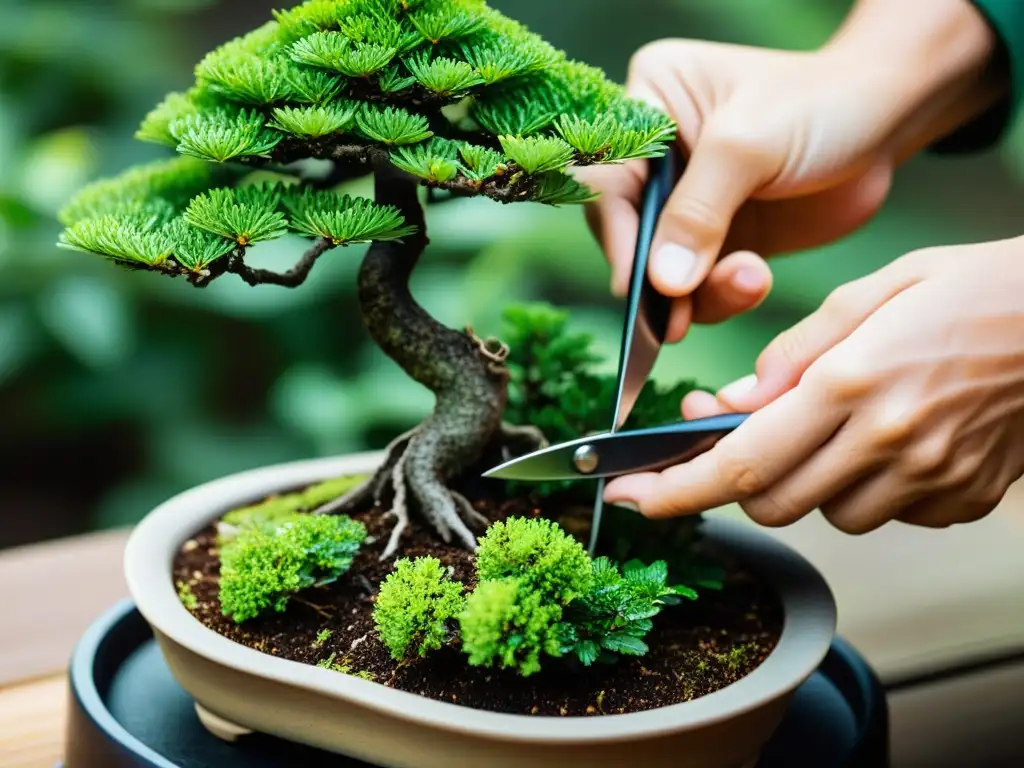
[[467, 375]]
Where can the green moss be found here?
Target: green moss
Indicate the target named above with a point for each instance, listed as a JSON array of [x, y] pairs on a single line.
[[321, 637], [546, 559], [416, 607], [272, 511], [187, 596], [509, 625], [344, 667], [736, 657], [264, 567]]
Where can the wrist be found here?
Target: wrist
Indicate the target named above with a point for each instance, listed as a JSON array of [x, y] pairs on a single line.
[[928, 64]]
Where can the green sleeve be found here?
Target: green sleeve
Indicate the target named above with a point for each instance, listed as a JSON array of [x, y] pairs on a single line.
[[1006, 17]]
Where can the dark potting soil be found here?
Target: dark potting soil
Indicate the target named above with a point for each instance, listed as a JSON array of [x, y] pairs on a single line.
[[695, 648]]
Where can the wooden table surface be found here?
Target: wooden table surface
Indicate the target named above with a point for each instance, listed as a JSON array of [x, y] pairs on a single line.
[[908, 599], [50, 593]]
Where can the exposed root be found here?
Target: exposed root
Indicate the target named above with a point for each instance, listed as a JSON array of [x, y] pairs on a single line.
[[517, 440], [434, 496], [370, 490], [399, 508], [468, 512], [318, 608]]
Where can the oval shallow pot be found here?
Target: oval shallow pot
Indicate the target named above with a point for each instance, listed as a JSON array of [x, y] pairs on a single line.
[[238, 689]]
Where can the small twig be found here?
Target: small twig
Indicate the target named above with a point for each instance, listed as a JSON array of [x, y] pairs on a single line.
[[293, 278], [318, 608], [366, 584]]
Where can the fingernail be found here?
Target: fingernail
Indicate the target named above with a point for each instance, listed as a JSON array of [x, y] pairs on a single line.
[[748, 280], [674, 265], [738, 388], [631, 506]]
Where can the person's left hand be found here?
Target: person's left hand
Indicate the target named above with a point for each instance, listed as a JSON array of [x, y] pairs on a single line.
[[902, 397]]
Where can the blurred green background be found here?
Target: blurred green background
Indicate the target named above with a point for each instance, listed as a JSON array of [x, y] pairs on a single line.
[[118, 390]]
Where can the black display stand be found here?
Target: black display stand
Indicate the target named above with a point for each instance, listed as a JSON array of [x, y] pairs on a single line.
[[128, 712]]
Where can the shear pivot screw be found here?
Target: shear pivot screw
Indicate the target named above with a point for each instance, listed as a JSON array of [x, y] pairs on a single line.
[[585, 458]]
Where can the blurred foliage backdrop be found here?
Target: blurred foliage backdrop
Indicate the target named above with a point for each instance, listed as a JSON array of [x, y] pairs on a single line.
[[118, 389]]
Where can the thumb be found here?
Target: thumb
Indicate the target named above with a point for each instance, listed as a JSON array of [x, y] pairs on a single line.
[[722, 173], [785, 360]]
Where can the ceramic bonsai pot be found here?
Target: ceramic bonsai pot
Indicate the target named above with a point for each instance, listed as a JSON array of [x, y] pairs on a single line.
[[239, 690]]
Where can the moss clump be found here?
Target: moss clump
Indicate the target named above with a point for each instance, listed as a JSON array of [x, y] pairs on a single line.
[[322, 637], [273, 511], [543, 557], [187, 596], [737, 657], [507, 624], [529, 570], [416, 607], [263, 567]]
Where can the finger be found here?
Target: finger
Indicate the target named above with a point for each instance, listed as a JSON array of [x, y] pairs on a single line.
[[700, 405], [943, 512], [679, 320], [785, 360], [774, 226], [871, 503], [748, 461], [721, 175], [834, 468], [972, 500], [614, 217], [738, 283]]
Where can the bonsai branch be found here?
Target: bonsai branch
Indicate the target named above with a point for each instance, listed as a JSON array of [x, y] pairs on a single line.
[[293, 278]]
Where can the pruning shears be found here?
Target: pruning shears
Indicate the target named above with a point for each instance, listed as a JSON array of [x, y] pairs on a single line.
[[614, 453]]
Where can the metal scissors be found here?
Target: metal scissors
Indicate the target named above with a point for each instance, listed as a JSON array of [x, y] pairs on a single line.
[[615, 452]]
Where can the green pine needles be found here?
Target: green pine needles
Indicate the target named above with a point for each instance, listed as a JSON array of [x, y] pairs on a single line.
[[449, 91]]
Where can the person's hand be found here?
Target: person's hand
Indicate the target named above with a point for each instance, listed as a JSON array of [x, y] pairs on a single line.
[[786, 150], [902, 397]]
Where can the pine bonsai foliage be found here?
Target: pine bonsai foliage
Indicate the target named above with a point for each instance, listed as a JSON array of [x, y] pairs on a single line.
[[448, 94]]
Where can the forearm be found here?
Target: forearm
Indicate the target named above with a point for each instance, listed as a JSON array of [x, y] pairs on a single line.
[[930, 61]]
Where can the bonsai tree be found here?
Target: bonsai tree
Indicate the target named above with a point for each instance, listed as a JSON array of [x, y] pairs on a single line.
[[444, 94]]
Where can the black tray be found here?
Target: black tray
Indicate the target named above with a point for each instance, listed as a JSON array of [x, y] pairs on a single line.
[[128, 712]]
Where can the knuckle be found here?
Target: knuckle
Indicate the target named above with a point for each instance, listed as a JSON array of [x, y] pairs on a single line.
[[926, 459], [893, 425], [772, 510], [698, 218], [839, 376], [733, 134], [962, 471], [842, 302], [740, 475], [651, 57], [852, 522], [988, 495]]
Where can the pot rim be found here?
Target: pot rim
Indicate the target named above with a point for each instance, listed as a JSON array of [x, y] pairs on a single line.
[[808, 625]]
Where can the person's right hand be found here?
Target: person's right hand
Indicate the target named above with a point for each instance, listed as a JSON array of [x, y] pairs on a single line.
[[786, 150]]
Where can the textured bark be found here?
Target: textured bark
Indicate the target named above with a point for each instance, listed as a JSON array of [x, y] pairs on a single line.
[[466, 374]]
